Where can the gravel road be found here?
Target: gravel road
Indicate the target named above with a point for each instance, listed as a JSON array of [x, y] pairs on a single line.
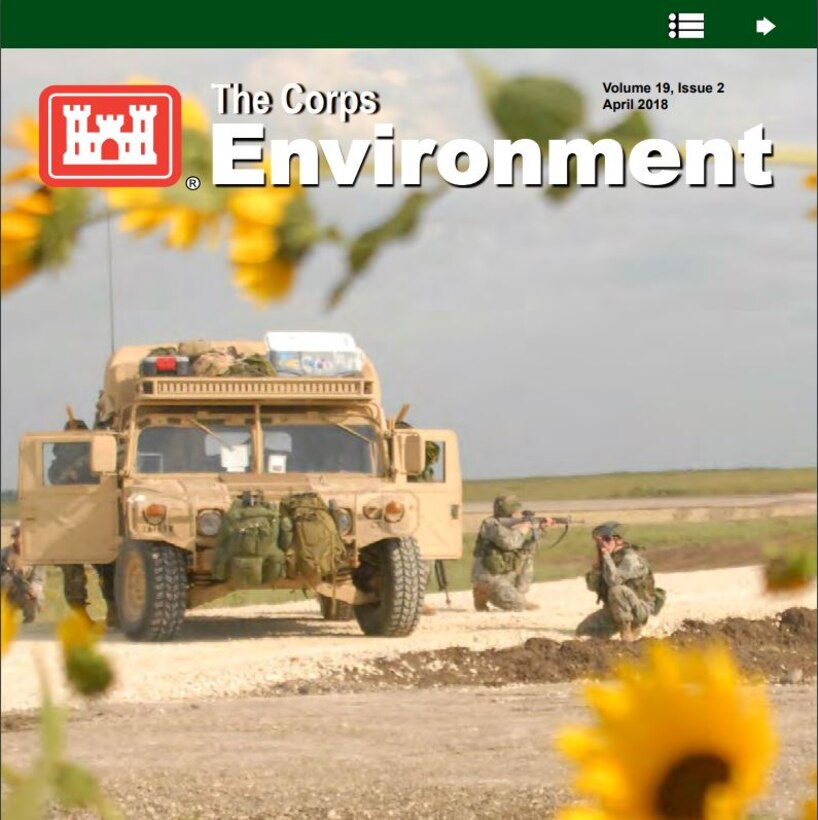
[[451, 753], [186, 736], [234, 652]]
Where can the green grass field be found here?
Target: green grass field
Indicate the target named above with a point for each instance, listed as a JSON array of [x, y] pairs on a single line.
[[573, 554], [673, 484], [569, 559]]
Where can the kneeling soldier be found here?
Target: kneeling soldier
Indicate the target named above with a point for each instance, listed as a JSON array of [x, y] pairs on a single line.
[[503, 565], [623, 583]]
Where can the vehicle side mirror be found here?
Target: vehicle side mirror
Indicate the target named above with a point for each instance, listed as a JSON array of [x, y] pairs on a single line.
[[414, 453], [103, 453]]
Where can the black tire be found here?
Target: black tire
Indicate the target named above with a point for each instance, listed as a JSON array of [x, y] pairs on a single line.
[[343, 611], [392, 570], [151, 590]]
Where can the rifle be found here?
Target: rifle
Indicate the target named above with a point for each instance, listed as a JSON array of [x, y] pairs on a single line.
[[536, 520], [602, 589]]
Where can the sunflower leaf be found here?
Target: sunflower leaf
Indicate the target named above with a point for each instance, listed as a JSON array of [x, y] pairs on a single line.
[[536, 108], [630, 130], [400, 225], [298, 231], [58, 231], [74, 786]]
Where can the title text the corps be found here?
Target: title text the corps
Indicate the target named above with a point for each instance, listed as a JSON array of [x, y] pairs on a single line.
[[464, 163]]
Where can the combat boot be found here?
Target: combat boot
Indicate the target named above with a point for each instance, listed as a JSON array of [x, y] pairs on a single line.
[[481, 597], [629, 633], [428, 609], [530, 605]]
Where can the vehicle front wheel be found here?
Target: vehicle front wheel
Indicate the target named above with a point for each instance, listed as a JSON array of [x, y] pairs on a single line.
[[151, 590], [390, 569]]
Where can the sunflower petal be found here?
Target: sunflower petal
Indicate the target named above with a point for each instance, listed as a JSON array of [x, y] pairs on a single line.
[[253, 247], [582, 813], [25, 135], [578, 743], [263, 206], [265, 283], [16, 226], [185, 226], [123, 199], [9, 623], [37, 203], [14, 274], [142, 220], [77, 631], [193, 115], [27, 172]]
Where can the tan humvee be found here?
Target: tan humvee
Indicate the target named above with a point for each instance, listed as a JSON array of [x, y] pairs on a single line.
[[169, 455]]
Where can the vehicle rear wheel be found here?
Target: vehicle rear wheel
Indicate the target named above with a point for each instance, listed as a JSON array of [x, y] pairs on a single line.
[[151, 590], [390, 569], [342, 612]]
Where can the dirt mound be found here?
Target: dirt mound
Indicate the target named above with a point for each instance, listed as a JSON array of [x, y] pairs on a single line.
[[781, 649]]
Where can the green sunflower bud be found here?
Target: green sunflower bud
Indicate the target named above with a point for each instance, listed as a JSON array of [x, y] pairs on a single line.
[[88, 672]]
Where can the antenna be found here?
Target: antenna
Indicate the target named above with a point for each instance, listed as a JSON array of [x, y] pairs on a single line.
[[110, 276]]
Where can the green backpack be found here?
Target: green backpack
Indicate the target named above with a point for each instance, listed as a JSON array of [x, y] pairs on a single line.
[[246, 531], [310, 537]]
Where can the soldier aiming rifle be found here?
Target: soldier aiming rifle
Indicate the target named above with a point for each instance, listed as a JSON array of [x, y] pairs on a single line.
[[503, 567]]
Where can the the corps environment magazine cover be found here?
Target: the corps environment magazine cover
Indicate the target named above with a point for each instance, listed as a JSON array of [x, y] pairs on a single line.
[[408, 413]]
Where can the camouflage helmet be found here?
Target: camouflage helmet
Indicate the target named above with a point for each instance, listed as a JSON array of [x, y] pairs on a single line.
[[609, 529], [506, 505], [432, 452], [75, 424]]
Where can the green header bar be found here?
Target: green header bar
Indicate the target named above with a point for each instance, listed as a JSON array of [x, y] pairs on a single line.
[[568, 24]]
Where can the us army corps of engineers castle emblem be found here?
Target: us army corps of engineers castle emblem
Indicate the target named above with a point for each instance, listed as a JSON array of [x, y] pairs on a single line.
[[110, 135]]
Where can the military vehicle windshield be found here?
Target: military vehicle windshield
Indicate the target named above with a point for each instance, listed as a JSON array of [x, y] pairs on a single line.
[[323, 447], [195, 448]]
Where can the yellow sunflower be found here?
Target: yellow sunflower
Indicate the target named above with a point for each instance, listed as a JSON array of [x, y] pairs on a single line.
[[21, 229], [9, 623], [88, 672], [24, 136], [77, 631], [145, 209], [262, 268], [677, 736], [38, 230]]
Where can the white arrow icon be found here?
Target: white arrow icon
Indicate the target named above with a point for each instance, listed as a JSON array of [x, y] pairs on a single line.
[[764, 26]]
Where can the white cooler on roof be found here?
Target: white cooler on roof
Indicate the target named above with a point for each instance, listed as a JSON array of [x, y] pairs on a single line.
[[314, 354]]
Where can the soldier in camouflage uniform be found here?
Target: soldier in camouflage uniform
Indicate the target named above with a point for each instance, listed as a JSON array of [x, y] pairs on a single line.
[[23, 585], [623, 583], [432, 457], [71, 466], [503, 565]]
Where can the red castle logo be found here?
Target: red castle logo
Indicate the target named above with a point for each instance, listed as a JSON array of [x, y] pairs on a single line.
[[110, 135]]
